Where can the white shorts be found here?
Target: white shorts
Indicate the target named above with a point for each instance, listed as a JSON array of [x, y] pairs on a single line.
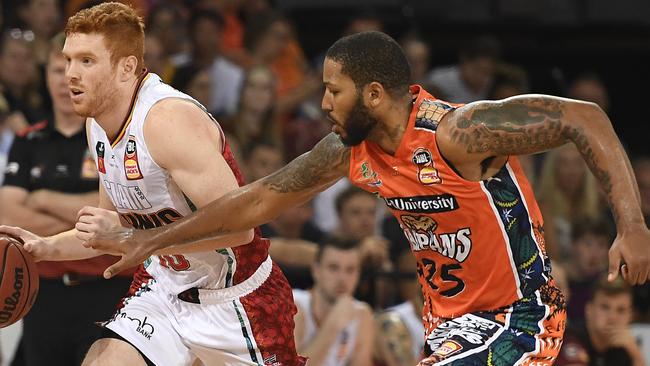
[[223, 327]]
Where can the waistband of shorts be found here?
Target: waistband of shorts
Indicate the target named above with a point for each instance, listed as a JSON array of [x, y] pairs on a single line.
[[206, 296]]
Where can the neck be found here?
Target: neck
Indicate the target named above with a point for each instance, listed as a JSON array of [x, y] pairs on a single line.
[[319, 306], [599, 343], [67, 124], [117, 109], [391, 127]]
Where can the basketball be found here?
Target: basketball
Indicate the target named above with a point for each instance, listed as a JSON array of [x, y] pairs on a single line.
[[18, 281]]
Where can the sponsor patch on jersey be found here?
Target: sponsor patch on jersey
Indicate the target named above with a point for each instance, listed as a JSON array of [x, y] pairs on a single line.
[[131, 166], [448, 348], [100, 149], [424, 204], [427, 172]]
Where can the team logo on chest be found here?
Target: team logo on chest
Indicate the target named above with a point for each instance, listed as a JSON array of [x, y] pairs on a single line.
[[427, 172], [369, 176], [131, 166], [100, 149]]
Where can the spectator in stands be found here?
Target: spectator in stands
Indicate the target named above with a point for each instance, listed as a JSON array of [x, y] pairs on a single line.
[[196, 82], [50, 176], [418, 54], [471, 78], [590, 87], [43, 18], [332, 328], [605, 339], [154, 56], [255, 118], [166, 23], [567, 192], [588, 261], [399, 331], [294, 241], [269, 40], [357, 213], [205, 35], [262, 159], [19, 77]]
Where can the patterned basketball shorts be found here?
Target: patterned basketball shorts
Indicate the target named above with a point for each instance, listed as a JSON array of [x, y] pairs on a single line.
[[248, 324], [529, 332]]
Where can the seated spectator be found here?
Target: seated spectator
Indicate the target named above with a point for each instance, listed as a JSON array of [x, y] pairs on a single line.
[[590, 87], [262, 159], [331, 327], [605, 339], [418, 54], [357, 212], [567, 193], [205, 34], [19, 78], [471, 78], [587, 262], [255, 117], [399, 330]]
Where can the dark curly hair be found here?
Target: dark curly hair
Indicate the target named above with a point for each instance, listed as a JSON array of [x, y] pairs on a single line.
[[372, 56]]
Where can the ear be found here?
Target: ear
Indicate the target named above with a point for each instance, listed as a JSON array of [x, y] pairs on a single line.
[[374, 94], [127, 67]]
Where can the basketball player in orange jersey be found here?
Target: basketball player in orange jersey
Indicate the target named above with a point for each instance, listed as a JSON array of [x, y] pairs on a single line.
[[160, 155], [450, 174]]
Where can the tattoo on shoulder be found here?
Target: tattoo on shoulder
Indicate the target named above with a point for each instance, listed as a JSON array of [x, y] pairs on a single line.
[[328, 161], [520, 126]]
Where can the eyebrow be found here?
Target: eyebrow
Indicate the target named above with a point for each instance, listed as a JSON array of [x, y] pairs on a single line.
[[80, 54]]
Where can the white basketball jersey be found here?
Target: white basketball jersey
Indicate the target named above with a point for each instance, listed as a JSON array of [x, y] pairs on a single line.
[[340, 354], [413, 322], [146, 196]]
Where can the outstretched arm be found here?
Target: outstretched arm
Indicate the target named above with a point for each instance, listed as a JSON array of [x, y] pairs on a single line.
[[535, 123], [238, 210]]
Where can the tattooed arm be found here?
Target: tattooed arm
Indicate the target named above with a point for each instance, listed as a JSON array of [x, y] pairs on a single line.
[[239, 210], [489, 131]]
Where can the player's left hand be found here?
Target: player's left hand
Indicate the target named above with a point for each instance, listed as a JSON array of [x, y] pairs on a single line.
[[93, 220], [630, 253]]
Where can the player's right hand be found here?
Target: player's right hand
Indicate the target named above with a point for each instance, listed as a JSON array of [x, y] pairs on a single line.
[[35, 245]]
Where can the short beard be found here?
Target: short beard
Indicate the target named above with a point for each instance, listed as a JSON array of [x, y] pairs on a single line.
[[359, 124]]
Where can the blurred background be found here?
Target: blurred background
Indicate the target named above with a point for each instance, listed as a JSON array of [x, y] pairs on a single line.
[[255, 65]]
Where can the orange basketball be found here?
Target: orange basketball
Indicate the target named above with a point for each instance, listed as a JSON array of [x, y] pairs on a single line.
[[18, 281]]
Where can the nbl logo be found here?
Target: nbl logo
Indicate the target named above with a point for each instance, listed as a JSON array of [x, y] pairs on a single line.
[[131, 166]]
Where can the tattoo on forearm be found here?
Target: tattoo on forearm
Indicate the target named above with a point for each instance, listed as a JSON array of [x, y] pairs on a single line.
[[328, 160]]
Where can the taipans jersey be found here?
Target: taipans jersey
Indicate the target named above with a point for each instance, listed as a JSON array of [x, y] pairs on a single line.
[[479, 245], [146, 196]]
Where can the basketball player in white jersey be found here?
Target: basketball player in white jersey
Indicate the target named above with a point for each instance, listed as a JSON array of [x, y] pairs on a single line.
[[332, 328], [160, 156]]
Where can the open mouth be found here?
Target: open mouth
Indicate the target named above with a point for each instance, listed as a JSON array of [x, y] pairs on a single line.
[[75, 92]]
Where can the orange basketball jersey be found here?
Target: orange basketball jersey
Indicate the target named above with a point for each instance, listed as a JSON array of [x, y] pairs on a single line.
[[479, 245]]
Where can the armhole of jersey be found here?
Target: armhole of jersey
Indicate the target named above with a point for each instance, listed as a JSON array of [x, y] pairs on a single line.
[[221, 133]]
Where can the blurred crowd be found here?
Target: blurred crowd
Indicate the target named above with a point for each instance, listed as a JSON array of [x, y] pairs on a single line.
[[243, 61]]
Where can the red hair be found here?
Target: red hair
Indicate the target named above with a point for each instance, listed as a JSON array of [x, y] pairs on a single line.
[[122, 28]]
